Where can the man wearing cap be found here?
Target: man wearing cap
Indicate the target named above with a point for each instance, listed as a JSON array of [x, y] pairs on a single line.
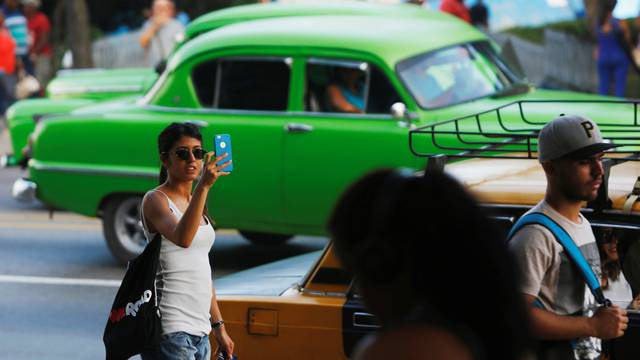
[[570, 149]]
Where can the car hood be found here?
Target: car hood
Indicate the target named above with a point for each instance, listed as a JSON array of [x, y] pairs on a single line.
[[522, 181], [540, 104], [271, 279], [101, 83]]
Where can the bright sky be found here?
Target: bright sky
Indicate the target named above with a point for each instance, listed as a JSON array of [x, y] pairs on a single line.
[[627, 8]]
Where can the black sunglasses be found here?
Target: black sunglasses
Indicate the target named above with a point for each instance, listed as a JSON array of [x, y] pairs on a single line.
[[183, 154]]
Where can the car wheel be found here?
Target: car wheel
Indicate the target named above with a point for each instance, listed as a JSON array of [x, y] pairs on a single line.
[[122, 227], [262, 238]]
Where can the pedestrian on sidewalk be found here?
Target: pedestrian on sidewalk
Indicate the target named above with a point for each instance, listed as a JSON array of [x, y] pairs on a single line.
[[7, 66], [177, 210], [613, 54], [456, 8], [160, 33], [40, 47]]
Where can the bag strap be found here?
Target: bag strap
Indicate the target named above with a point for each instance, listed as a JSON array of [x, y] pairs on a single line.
[[570, 248]]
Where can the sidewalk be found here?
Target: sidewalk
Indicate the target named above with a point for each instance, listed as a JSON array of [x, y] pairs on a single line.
[[5, 142]]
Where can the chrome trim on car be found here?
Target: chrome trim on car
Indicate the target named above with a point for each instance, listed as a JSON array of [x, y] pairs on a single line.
[[24, 190], [97, 89], [614, 226], [7, 160], [93, 171], [359, 315], [322, 293], [323, 115]]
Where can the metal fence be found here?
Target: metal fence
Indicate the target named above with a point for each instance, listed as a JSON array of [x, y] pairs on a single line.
[[562, 61], [118, 51]]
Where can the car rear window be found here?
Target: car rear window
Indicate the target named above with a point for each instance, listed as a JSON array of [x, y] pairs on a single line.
[[243, 84]]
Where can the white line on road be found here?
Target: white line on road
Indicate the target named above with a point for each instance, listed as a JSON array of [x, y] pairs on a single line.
[[39, 280]]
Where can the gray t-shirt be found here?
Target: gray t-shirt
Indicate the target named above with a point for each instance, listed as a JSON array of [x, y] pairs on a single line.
[[163, 41], [547, 272]]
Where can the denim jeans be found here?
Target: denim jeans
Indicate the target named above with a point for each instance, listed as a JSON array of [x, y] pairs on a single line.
[[180, 346]]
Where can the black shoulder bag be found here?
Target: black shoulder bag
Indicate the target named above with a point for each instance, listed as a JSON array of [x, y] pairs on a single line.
[[134, 321]]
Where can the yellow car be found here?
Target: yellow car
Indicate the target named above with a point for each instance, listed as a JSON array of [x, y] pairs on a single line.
[[297, 308], [305, 308]]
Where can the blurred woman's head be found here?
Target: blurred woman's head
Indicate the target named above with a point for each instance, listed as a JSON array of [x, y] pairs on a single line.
[[423, 241]]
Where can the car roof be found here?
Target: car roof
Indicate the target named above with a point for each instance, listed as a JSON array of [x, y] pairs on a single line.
[[388, 37], [231, 15], [522, 182]]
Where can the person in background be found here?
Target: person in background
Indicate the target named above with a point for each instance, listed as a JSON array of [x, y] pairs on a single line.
[[160, 33], [480, 15], [614, 43], [17, 25], [7, 66], [456, 8], [40, 49], [614, 284], [347, 95], [402, 236]]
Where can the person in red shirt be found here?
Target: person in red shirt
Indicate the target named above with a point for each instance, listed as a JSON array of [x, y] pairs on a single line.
[[7, 65], [456, 8], [40, 48]]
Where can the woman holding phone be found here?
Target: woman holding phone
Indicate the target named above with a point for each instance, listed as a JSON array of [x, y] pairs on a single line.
[[177, 210]]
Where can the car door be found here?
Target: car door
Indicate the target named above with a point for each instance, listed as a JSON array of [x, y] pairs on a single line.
[[327, 148], [246, 97]]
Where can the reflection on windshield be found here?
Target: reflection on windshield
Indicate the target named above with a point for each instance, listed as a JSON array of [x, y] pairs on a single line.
[[456, 74]]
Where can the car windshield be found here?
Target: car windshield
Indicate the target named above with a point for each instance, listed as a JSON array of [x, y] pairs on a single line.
[[457, 74]]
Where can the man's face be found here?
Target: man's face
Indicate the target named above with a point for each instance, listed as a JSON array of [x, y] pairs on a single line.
[[578, 179]]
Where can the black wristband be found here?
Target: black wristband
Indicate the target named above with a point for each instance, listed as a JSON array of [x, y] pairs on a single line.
[[217, 324]]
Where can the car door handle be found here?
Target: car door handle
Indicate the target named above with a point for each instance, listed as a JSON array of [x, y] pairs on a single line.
[[365, 320], [298, 128]]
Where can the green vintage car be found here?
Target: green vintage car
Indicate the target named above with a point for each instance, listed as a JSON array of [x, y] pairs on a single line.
[[72, 89], [268, 84]]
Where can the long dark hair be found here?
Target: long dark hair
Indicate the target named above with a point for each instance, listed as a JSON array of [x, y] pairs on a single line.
[[611, 269], [606, 9], [430, 235], [167, 139]]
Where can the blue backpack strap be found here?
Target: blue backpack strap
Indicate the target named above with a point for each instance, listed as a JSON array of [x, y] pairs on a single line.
[[569, 246]]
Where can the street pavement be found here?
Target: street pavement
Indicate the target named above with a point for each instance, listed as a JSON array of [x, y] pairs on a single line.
[[58, 279]]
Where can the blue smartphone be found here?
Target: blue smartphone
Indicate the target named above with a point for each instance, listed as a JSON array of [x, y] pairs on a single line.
[[223, 146]]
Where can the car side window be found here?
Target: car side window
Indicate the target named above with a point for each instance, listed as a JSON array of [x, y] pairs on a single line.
[[340, 86], [260, 84]]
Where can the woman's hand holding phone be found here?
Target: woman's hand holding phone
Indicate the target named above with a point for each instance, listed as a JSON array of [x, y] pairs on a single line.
[[211, 169]]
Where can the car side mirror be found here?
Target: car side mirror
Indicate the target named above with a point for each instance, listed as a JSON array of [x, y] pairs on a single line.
[[400, 112]]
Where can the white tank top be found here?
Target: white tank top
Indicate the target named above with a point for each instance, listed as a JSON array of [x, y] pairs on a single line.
[[183, 280]]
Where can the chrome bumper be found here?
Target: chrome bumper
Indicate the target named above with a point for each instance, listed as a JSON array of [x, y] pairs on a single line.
[[24, 190], [8, 160]]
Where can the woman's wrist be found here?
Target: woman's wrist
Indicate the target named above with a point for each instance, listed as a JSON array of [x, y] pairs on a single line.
[[217, 325]]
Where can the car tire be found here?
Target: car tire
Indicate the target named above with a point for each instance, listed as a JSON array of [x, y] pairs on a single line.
[[262, 238], [122, 227]]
